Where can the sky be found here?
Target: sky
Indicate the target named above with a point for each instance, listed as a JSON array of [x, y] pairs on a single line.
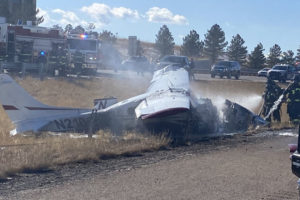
[[267, 21]]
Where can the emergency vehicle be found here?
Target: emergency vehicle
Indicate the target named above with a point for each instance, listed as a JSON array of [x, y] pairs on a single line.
[[26, 43], [85, 44]]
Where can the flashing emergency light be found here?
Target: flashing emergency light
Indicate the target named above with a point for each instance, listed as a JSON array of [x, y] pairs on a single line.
[[83, 36], [42, 53]]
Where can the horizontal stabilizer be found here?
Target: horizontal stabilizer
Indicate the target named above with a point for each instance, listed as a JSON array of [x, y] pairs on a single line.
[[27, 113]]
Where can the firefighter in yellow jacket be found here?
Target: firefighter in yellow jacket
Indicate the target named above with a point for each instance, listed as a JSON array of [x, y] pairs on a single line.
[[293, 101]]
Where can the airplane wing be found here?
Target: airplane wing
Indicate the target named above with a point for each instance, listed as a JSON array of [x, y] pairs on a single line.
[[169, 77], [168, 94]]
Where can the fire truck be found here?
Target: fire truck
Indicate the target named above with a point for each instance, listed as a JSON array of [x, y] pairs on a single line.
[[28, 45], [86, 47]]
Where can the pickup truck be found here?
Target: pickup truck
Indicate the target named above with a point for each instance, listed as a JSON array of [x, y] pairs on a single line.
[[282, 73]]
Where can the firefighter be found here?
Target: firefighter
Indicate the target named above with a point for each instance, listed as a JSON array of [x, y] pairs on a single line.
[[78, 60], [293, 101], [42, 58], [271, 95]]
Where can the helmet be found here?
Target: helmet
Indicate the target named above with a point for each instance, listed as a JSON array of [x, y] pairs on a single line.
[[270, 83]]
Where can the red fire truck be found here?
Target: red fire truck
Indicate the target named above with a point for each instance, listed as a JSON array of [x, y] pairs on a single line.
[[26, 44]]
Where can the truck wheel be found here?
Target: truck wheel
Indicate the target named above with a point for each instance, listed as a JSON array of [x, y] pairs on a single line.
[[237, 77], [229, 76], [221, 76], [212, 76]]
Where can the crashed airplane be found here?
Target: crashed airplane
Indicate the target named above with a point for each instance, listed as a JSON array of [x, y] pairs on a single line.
[[167, 106]]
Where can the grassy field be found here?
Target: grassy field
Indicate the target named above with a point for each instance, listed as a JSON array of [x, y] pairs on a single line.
[[21, 153]]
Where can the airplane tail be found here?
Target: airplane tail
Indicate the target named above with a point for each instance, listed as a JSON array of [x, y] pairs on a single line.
[[27, 113]]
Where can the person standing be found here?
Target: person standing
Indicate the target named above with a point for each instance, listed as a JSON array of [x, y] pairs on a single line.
[[293, 101], [271, 95]]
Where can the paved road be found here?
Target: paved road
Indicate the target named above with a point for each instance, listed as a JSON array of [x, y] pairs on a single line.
[[241, 167]]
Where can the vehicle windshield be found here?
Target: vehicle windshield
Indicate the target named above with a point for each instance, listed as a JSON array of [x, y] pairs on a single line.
[[173, 59], [89, 45], [280, 67], [223, 63]]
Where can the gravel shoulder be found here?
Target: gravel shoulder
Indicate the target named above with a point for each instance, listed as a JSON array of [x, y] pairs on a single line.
[[238, 167]]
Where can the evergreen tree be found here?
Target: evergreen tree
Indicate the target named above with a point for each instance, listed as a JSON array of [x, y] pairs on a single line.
[[78, 30], [107, 37], [288, 57], [164, 42], [298, 55], [68, 28], [58, 27], [90, 30], [192, 46], [257, 58], [34, 17], [236, 51], [274, 55], [214, 43]]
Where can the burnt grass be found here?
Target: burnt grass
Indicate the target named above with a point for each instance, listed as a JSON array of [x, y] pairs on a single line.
[[110, 164]]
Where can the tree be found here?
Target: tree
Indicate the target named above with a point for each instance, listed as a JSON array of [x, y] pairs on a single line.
[[37, 20], [288, 57], [298, 55], [78, 30], [91, 27], [164, 42], [68, 28], [107, 37], [192, 46], [257, 58], [58, 27], [214, 43], [236, 51], [274, 55]]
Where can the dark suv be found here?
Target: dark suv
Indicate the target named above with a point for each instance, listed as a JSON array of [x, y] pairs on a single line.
[[282, 72], [181, 61], [226, 68]]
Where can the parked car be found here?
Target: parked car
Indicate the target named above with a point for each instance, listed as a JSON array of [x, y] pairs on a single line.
[[282, 72], [136, 63], [226, 68], [181, 61], [263, 72]]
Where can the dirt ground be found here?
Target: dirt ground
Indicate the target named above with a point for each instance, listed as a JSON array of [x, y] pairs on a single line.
[[238, 167]]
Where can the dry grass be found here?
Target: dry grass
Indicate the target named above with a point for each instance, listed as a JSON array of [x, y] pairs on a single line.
[[46, 152]]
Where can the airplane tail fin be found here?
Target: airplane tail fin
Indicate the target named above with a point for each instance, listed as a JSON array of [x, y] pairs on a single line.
[[15, 100], [27, 113]]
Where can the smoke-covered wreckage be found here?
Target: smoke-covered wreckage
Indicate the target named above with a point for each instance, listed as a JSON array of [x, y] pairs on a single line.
[[167, 106]]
